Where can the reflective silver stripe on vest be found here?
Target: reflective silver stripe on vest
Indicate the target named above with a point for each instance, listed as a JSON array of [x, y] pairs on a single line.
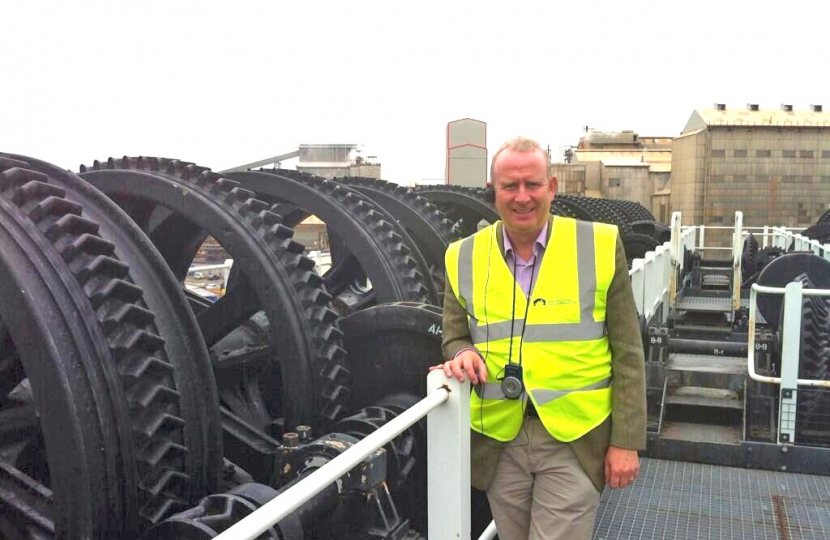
[[490, 391], [543, 397], [585, 330], [586, 264], [465, 273]]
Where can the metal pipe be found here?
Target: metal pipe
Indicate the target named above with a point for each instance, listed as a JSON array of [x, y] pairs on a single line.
[[707, 346], [753, 294], [490, 532], [282, 505]]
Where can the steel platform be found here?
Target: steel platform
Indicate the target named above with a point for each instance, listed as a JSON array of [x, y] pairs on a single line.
[[704, 303], [691, 501]]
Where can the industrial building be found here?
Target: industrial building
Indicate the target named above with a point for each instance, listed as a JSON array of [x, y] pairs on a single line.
[[326, 160], [619, 165], [336, 160], [773, 164]]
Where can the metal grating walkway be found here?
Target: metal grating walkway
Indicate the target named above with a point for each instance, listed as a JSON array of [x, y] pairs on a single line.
[[690, 501]]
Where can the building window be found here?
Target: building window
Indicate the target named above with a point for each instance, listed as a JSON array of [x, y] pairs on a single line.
[[788, 153], [613, 182], [739, 153], [825, 154], [825, 179], [763, 153], [739, 178], [718, 153], [762, 179], [789, 179], [805, 154], [717, 219]]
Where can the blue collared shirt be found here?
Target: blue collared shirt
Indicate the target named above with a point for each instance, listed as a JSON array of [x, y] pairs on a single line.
[[526, 270]]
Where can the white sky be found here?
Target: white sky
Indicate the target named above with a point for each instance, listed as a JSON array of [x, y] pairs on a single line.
[[226, 83]]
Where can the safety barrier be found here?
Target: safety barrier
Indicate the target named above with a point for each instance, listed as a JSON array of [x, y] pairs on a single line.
[[448, 465], [789, 381], [783, 238], [654, 278]]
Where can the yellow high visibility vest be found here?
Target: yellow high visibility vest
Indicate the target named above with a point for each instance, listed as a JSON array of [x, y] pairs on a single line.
[[566, 359]]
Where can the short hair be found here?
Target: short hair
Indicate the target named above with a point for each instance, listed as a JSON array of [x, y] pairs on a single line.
[[519, 144]]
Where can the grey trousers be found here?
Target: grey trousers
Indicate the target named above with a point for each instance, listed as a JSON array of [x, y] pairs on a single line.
[[540, 491]]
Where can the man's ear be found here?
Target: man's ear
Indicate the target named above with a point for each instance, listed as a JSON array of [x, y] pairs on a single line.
[[489, 193], [553, 184]]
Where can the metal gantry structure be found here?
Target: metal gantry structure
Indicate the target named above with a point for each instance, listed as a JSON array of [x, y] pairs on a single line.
[[132, 408]]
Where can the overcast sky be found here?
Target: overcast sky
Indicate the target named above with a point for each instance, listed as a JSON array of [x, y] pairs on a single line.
[[222, 84]]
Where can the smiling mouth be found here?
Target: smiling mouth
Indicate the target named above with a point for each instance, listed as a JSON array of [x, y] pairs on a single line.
[[523, 211]]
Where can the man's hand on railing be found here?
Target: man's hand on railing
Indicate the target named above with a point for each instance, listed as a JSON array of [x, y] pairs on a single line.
[[468, 362]]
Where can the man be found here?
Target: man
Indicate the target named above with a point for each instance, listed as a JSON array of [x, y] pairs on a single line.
[[570, 415]]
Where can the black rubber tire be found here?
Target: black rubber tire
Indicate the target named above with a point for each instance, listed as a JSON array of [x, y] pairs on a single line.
[[104, 392], [173, 321], [812, 426], [820, 232], [315, 379], [465, 205], [633, 210], [347, 271], [637, 245], [373, 238], [427, 225], [656, 230], [782, 270], [393, 346]]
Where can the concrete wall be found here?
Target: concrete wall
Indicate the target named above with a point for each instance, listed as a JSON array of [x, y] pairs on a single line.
[[570, 178], [774, 175], [366, 171], [634, 184], [687, 165]]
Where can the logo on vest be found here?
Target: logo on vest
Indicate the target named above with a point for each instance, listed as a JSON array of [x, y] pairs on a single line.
[[553, 302]]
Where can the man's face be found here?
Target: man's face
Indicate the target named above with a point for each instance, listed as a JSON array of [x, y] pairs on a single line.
[[523, 190]]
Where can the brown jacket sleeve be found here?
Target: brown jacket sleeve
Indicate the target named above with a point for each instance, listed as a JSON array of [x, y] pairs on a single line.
[[455, 332], [628, 428]]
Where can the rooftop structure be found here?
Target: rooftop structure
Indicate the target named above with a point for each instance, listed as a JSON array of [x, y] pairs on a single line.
[[772, 163]]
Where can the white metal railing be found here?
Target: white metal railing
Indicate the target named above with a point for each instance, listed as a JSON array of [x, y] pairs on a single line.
[[654, 278], [789, 381], [448, 465], [783, 237]]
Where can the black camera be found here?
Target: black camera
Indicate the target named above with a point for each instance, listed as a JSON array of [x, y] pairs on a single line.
[[511, 384]]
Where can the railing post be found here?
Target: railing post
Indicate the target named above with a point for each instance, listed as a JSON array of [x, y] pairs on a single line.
[[668, 272], [789, 362], [650, 277], [764, 243], [638, 284], [737, 251], [448, 461], [677, 248]]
